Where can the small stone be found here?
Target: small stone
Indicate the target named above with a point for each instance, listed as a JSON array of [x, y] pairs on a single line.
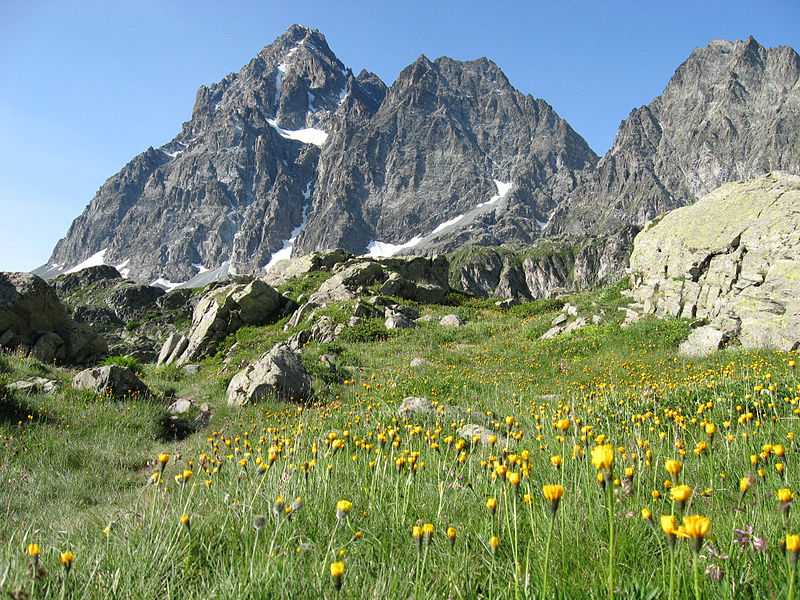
[[180, 406], [414, 406], [452, 320], [471, 430]]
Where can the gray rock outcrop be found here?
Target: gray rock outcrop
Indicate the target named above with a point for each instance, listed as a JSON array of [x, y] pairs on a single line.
[[33, 320], [133, 318], [279, 373], [36, 385], [112, 380], [702, 342], [451, 320], [218, 314], [733, 258]]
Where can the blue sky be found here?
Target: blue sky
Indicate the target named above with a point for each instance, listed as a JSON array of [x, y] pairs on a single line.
[[85, 86]]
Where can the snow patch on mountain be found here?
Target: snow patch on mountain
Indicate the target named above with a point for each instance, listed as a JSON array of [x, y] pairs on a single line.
[[308, 135], [123, 268], [378, 249], [95, 260], [286, 251]]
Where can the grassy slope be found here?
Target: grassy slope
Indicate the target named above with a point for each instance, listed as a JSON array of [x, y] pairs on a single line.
[[80, 462]]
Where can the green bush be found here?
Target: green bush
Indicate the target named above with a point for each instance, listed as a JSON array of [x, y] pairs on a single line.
[[124, 361], [170, 372], [368, 330], [536, 307], [132, 326]]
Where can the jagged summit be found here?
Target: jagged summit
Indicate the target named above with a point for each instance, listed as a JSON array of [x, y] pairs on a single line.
[[293, 153], [731, 111]]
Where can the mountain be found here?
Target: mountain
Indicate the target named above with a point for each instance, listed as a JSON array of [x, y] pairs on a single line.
[[730, 112], [295, 153], [451, 138]]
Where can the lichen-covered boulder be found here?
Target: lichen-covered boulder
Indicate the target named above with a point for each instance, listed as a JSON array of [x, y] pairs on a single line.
[[218, 314], [732, 258], [279, 373], [33, 320], [113, 380]]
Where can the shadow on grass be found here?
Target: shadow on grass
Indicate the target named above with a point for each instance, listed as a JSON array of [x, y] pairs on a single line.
[[14, 408]]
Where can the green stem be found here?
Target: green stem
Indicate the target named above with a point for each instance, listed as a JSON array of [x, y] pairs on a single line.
[[421, 572], [792, 575], [696, 577], [253, 555], [545, 578], [671, 572], [611, 540]]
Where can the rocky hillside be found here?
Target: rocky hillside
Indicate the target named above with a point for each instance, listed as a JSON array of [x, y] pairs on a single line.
[[730, 112], [296, 151], [733, 259]]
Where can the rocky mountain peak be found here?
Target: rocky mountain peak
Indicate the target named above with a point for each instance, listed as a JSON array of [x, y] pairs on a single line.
[[731, 111]]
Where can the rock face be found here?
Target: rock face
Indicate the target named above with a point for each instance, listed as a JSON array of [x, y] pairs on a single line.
[[731, 111], [32, 319], [294, 153], [218, 314], [548, 268], [133, 318], [453, 154], [110, 379], [279, 373], [732, 258]]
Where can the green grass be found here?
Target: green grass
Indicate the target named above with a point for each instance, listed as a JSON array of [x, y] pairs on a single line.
[[80, 463]]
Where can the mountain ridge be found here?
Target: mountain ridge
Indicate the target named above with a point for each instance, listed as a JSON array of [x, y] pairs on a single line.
[[293, 154]]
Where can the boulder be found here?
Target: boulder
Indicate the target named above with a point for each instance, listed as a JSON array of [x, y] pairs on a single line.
[[703, 341], [279, 373], [413, 406], [218, 314], [552, 332], [348, 281], [36, 385], [399, 321], [33, 319], [181, 406], [578, 323], [113, 380], [419, 362], [300, 314], [426, 293], [471, 431], [451, 321], [399, 309], [297, 267], [732, 258]]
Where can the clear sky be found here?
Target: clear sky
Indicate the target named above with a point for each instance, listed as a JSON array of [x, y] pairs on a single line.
[[87, 85]]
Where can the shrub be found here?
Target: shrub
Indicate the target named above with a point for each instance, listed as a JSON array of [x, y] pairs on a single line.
[[170, 372], [368, 330], [132, 326], [536, 307], [124, 361]]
